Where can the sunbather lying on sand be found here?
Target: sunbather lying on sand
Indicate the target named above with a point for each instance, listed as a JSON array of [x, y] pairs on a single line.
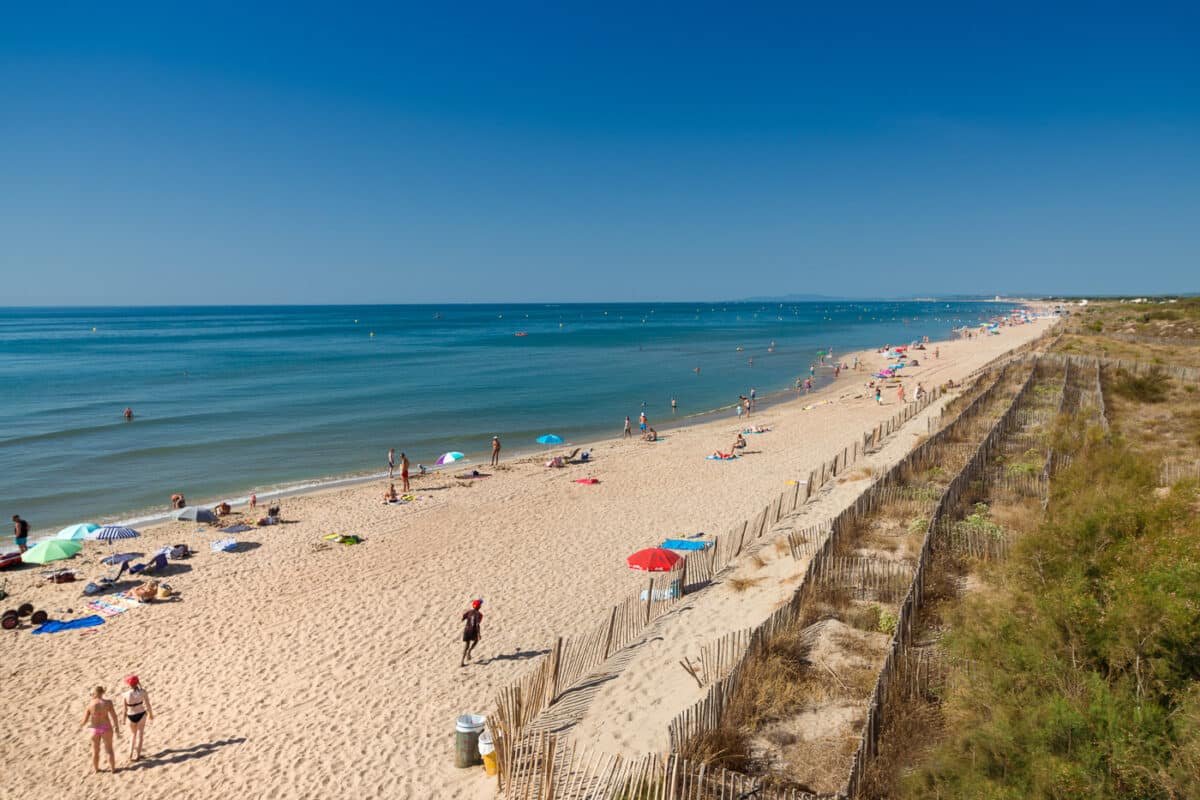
[[146, 592]]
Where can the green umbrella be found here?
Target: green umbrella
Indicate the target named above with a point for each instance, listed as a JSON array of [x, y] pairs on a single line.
[[50, 550]]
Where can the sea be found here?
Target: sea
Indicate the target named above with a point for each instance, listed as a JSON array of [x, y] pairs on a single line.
[[233, 400]]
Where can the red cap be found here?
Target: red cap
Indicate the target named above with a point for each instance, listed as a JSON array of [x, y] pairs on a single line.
[[476, 603], [132, 680]]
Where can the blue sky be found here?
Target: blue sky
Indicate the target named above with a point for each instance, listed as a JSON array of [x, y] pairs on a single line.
[[299, 153]]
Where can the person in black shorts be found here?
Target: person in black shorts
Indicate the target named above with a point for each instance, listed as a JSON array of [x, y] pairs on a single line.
[[21, 532], [473, 618]]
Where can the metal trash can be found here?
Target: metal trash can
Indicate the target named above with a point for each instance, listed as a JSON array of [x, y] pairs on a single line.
[[466, 740]]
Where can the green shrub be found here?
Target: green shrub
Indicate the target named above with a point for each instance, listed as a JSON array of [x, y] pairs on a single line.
[[1149, 388], [1085, 677]]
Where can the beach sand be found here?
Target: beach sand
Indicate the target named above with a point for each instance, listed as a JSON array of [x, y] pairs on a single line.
[[299, 668]]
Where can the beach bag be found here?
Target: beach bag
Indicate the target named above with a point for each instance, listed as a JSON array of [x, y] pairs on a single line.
[[165, 591]]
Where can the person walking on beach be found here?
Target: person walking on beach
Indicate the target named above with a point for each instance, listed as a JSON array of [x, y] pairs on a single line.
[[391, 461], [642, 422], [746, 403], [900, 393], [628, 428], [807, 385], [856, 363], [879, 395], [472, 633], [137, 708], [812, 370], [404, 472], [753, 401], [739, 409], [495, 450], [21, 532], [102, 719]]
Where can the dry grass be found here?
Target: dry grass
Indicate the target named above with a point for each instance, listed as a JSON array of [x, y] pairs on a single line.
[[857, 474], [757, 560], [1018, 517], [742, 584], [824, 763]]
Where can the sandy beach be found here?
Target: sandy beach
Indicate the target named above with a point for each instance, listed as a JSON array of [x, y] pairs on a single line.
[[295, 667]]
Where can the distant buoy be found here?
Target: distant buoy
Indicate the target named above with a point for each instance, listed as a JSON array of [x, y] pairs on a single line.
[[739, 349], [93, 330], [355, 322], [372, 333], [520, 333]]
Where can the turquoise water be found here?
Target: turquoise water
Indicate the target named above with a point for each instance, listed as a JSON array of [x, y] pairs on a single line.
[[230, 400]]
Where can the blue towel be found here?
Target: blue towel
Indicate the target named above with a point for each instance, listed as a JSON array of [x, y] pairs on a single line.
[[683, 544], [54, 626]]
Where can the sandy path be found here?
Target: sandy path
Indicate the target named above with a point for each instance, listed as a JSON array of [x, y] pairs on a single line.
[[291, 671]]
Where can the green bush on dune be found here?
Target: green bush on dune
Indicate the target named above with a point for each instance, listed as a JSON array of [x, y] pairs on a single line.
[[1085, 678]]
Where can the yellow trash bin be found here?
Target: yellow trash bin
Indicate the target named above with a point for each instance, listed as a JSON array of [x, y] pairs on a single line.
[[488, 750]]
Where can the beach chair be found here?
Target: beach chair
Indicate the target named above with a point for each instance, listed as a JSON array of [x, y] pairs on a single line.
[[115, 576], [159, 562], [571, 456]]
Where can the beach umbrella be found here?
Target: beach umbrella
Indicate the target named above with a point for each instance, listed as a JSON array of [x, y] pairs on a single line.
[[449, 458], [120, 558], [111, 533], [50, 550], [76, 532], [653, 559], [549, 438], [196, 514]]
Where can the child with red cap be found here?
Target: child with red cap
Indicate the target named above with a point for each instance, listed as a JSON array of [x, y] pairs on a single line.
[[471, 634]]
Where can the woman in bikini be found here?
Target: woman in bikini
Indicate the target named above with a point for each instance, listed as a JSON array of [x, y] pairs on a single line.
[[102, 720], [137, 708]]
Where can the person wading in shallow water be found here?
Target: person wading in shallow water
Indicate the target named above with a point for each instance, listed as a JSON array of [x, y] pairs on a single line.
[[473, 618]]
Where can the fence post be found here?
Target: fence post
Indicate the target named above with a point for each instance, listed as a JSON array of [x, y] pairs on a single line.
[[649, 599], [612, 621]]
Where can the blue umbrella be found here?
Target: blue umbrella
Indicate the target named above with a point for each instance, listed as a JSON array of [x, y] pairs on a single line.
[[76, 532], [111, 533], [549, 438]]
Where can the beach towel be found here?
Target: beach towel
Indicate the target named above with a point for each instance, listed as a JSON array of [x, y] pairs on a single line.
[[239, 528], [686, 544], [112, 604], [54, 626], [342, 538], [722, 458], [588, 481], [224, 545]]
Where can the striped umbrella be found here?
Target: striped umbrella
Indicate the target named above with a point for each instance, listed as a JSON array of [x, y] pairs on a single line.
[[111, 533], [450, 458]]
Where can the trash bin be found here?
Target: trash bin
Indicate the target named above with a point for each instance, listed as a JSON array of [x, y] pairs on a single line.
[[488, 750], [466, 740]]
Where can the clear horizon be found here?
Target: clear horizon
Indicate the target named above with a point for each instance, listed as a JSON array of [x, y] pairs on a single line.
[[402, 154]]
